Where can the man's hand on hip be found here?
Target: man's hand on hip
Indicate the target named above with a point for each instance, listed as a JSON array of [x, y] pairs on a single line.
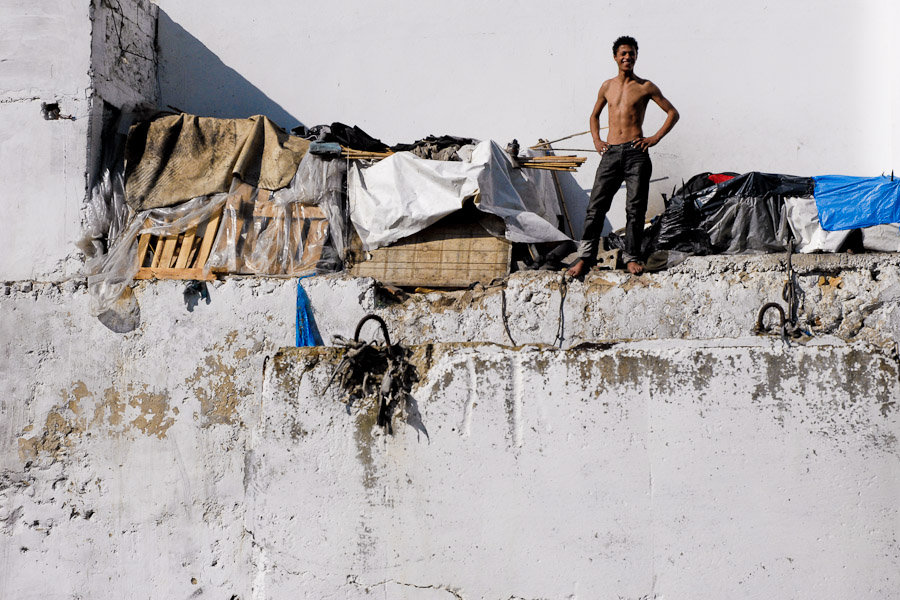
[[644, 143]]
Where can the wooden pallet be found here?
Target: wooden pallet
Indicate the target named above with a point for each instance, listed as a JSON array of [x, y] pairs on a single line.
[[180, 256], [446, 254]]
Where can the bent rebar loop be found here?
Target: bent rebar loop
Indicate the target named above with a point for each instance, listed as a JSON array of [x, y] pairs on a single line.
[[377, 319]]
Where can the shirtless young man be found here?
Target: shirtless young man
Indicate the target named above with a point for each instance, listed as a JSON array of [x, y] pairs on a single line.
[[624, 155]]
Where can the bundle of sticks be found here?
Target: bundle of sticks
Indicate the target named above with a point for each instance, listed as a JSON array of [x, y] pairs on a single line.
[[549, 163], [552, 163], [362, 154]]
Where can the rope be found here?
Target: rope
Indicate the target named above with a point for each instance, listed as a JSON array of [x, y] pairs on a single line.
[[563, 291], [503, 314]]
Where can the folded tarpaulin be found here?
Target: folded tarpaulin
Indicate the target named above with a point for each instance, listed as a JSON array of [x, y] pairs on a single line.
[[404, 194], [854, 202], [746, 215], [174, 158]]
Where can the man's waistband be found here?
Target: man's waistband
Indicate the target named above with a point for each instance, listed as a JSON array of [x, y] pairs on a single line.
[[631, 143]]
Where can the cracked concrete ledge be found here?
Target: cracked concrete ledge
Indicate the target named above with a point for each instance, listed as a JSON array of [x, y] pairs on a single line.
[[852, 298]]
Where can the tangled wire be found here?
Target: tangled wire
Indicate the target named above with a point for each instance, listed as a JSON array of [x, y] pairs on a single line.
[[381, 372]]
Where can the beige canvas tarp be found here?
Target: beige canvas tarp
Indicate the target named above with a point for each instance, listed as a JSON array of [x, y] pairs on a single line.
[[178, 157]]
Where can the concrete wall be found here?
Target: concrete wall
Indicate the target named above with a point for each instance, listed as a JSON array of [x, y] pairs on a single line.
[[47, 47], [224, 468], [192, 448], [791, 87], [191, 457], [75, 53]]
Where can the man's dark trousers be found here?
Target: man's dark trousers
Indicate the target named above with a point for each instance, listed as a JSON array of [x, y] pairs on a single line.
[[621, 162]]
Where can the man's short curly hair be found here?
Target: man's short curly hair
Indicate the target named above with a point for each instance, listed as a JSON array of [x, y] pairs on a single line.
[[625, 40]]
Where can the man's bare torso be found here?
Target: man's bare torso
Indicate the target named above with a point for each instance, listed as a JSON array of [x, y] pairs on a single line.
[[627, 104]]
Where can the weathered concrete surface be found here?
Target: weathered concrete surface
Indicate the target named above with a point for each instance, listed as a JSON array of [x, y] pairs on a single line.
[[46, 58], [153, 454], [736, 469], [123, 52], [851, 297]]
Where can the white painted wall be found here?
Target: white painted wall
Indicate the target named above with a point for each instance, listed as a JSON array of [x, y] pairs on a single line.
[[182, 450], [46, 48], [795, 87], [76, 53]]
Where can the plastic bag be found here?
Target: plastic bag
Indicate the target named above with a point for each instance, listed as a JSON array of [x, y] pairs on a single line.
[[105, 214]]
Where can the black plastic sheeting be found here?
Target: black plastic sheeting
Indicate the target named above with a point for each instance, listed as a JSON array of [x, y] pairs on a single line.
[[433, 147], [441, 147], [345, 135], [744, 215]]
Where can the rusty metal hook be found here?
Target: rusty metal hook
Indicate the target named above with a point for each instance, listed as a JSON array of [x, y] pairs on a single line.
[[380, 321], [760, 318]]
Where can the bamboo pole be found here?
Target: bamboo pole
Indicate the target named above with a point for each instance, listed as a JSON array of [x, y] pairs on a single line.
[[540, 145]]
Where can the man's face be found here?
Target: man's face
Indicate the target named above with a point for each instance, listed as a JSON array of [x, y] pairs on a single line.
[[625, 57]]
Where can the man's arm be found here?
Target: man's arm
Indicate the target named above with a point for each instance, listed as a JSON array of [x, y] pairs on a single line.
[[672, 117], [599, 144]]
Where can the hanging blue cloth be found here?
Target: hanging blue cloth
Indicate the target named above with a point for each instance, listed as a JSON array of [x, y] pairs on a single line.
[[855, 202], [307, 333]]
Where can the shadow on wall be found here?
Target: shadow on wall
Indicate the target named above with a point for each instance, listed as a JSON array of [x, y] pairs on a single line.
[[576, 202], [193, 79]]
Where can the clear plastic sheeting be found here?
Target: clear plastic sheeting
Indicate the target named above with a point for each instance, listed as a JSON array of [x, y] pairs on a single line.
[[105, 214], [321, 182], [259, 234], [113, 273]]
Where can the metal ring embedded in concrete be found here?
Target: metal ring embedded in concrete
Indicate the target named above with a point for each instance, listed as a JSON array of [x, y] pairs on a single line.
[[384, 330], [760, 326]]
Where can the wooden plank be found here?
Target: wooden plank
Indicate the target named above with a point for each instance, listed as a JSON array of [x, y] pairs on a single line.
[[209, 236], [441, 256], [157, 251], [264, 207], [143, 244], [151, 273], [186, 246], [168, 251]]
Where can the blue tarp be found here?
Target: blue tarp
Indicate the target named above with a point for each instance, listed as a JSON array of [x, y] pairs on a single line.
[[855, 202]]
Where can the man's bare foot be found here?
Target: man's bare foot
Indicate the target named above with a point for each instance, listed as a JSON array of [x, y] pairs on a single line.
[[635, 268], [576, 270]]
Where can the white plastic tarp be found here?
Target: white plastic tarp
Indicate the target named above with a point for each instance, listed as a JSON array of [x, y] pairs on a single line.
[[404, 194], [803, 216]]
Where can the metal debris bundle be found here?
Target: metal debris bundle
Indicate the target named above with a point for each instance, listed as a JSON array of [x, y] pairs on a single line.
[[378, 373]]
